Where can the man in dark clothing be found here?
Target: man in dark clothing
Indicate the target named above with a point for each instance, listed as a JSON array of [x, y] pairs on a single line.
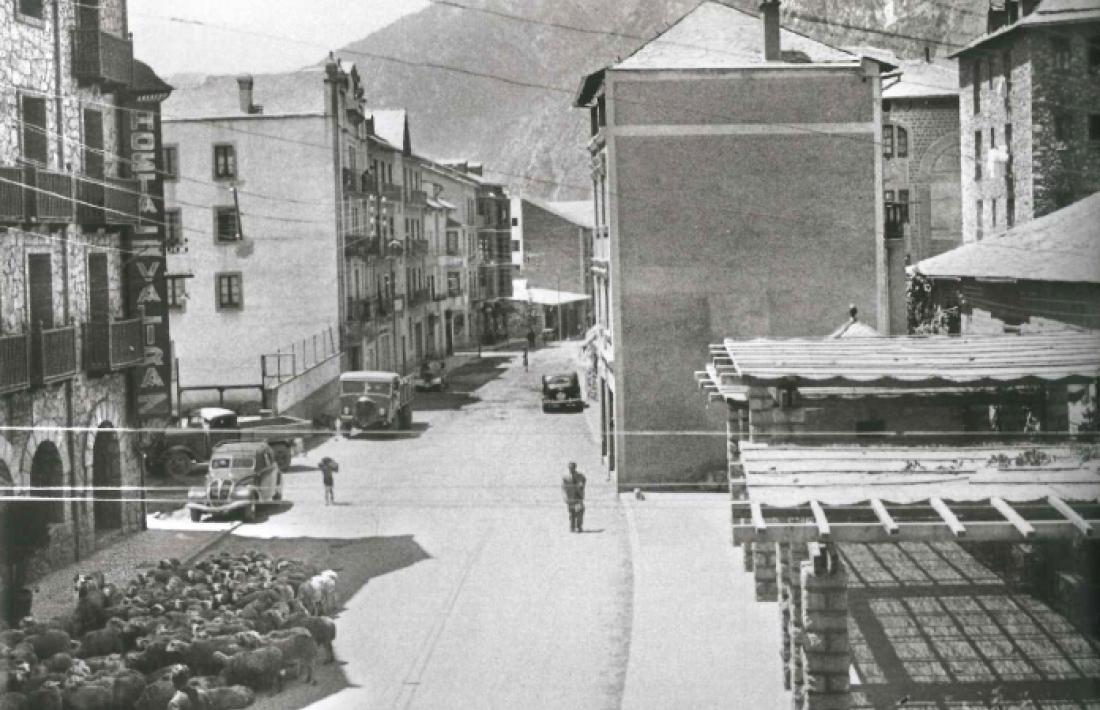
[[530, 339], [328, 467], [572, 490]]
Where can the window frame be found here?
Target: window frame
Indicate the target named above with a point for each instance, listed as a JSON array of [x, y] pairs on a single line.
[[1062, 127], [173, 222], [25, 123], [232, 148], [176, 290], [888, 141], [1094, 130], [219, 303], [218, 211], [171, 167], [21, 10], [901, 142]]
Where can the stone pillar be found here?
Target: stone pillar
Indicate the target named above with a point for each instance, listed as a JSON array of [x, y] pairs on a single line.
[[798, 554], [763, 571], [825, 651]]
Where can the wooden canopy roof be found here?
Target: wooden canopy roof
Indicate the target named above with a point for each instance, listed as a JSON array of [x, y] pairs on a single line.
[[906, 361]]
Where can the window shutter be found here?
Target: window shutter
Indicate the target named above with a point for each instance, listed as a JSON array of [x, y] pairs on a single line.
[[99, 288], [40, 287], [34, 130], [93, 144]]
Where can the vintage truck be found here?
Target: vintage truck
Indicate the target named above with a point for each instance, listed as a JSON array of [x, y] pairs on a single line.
[[243, 475], [181, 450], [375, 400]]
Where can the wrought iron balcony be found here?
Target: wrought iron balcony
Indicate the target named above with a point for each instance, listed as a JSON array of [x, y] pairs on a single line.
[[360, 309], [418, 197], [52, 196], [102, 58], [15, 372], [353, 181], [15, 205], [418, 247], [113, 345], [53, 354], [392, 192]]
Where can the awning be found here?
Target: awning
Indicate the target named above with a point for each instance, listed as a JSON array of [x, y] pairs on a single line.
[[545, 296], [908, 361]]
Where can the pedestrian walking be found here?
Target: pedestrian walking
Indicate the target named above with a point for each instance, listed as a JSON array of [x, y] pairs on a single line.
[[525, 359], [530, 339], [572, 490], [328, 467]]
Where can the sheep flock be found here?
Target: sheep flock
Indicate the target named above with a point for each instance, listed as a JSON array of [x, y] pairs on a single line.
[[202, 636]]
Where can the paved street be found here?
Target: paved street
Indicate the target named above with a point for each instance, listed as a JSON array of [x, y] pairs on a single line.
[[488, 600]]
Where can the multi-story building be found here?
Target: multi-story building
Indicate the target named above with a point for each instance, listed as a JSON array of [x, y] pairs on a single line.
[[266, 170], [82, 334], [1029, 104], [453, 197], [738, 175], [554, 241]]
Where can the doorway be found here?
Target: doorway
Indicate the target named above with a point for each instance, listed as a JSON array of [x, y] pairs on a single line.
[[106, 479]]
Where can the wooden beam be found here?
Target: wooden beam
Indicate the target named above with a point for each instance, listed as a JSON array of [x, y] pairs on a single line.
[[820, 519], [1017, 520], [1071, 515], [923, 531], [757, 517], [948, 517], [884, 517]]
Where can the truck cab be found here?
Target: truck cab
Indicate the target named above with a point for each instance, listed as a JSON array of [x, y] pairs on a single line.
[[375, 400]]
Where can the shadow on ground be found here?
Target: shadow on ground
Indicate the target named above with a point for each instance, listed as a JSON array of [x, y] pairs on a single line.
[[357, 561], [413, 432], [462, 382]]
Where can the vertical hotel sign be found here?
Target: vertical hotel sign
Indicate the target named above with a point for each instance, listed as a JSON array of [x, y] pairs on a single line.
[[146, 265]]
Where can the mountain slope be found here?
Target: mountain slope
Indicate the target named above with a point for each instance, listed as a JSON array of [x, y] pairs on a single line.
[[529, 136]]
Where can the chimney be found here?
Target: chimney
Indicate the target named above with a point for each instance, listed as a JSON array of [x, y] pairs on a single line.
[[769, 12], [244, 91]]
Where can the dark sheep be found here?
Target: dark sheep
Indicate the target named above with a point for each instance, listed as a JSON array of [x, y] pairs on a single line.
[[13, 701], [258, 668], [88, 696], [298, 648], [49, 642], [323, 631], [58, 663], [156, 695], [102, 642], [91, 610], [47, 697], [230, 697]]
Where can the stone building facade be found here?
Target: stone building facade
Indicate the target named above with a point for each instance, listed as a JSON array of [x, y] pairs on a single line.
[[1029, 104], [69, 335]]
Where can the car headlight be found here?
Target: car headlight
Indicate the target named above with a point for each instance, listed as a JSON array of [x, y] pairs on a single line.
[[241, 492]]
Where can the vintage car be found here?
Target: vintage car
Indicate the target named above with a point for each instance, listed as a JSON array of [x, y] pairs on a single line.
[[243, 475], [431, 377], [375, 400], [561, 391], [180, 450]]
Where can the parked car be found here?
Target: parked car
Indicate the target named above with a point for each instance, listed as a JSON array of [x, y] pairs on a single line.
[[179, 450], [561, 391], [432, 377], [375, 400], [243, 475]]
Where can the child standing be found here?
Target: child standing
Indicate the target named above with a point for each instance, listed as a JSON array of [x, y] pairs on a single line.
[[328, 467]]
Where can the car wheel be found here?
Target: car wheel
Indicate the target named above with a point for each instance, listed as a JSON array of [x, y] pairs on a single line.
[[250, 511], [178, 464], [196, 516]]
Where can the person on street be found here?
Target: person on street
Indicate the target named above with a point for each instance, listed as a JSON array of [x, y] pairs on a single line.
[[572, 490], [525, 359], [530, 339], [328, 467]]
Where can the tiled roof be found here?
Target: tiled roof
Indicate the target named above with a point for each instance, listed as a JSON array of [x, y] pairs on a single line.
[[1049, 12], [1060, 246], [716, 36], [919, 78], [579, 212], [294, 93], [909, 361]]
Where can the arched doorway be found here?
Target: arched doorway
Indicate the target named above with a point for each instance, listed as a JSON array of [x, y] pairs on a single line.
[[47, 476], [106, 478]]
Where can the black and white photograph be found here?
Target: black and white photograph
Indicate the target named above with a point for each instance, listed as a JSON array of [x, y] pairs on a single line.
[[549, 354]]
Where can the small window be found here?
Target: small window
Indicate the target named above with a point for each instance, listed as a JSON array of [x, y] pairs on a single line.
[[1092, 51], [1094, 129], [515, 221], [993, 213], [171, 162], [225, 162], [903, 206], [31, 8], [978, 218], [977, 155], [35, 146], [173, 222], [901, 137], [1060, 46], [226, 224], [976, 82], [1063, 126], [177, 290], [888, 141], [515, 245], [229, 294]]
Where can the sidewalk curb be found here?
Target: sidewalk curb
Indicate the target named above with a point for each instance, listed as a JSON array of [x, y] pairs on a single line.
[[206, 547]]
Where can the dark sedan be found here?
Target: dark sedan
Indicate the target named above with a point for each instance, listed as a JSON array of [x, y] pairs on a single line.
[[561, 392]]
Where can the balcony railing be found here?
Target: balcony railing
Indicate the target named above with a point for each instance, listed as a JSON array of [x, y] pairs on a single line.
[[15, 206], [362, 246], [392, 192], [418, 197], [53, 354], [102, 58], [453, 292], [15, 373], [353, 181], [360, 309], [419, 296], [113, 345], [418, 247], [52, 197], [107, 201]]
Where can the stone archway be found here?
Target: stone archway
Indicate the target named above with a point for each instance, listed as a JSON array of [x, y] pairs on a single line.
[[47, 478], [106, 479]]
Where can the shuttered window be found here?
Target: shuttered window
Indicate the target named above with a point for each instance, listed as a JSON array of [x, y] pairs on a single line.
[[99, 288], [34, 130], [40, 289], [93, 144]]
